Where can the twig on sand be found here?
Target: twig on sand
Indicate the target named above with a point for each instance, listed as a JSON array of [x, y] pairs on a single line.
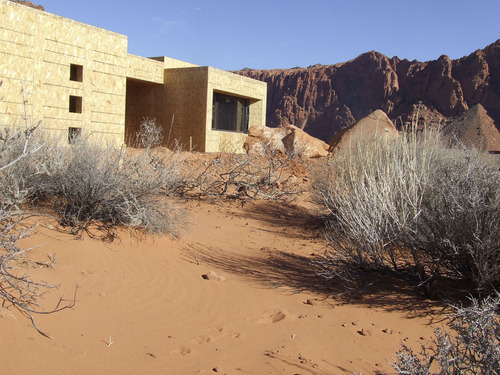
[[109, 343]]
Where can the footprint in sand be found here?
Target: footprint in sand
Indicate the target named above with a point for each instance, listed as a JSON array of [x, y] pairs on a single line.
[[363, 332], [274, 316], [202, 339], [183, 351]]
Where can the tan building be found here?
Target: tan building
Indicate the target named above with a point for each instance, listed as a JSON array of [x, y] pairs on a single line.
[[79, 77]]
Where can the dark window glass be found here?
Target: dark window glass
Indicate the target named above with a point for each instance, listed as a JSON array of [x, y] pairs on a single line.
[[76, 73], [230, 113], [75, 104]]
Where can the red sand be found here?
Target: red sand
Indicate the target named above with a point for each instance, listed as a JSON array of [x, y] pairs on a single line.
[[144, 307]]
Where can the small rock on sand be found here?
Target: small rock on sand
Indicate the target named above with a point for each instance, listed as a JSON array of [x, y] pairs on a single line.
[[211, 275]]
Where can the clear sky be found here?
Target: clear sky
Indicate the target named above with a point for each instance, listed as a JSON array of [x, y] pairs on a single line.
[[267, 34]]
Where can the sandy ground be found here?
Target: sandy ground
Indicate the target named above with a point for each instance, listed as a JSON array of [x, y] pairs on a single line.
[[144, 306]]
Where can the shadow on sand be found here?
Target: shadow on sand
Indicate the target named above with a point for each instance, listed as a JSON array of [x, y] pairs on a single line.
[[271, 268], [295, 274]]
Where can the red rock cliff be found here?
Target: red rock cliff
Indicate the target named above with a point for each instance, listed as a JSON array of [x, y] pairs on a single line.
[[323, 99]]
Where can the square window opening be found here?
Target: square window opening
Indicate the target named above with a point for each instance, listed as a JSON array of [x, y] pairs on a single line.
[[230, 113], [76, 73], [73, 135], [75, 104]]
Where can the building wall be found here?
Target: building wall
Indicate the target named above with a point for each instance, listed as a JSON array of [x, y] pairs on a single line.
[[145, 69], [233, 84], [117, 90], [145, 101], [186, 107], [37, 49]]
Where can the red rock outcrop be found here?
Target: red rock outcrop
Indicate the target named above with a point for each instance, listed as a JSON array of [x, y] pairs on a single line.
[[474, 128], [376, 124], [323, 99], [299, 142], [29, 4], [261, 137], [286, 139]]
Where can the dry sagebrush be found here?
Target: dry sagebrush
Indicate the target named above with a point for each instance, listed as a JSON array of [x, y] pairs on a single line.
[[472, 346], [412, 207], [91, 183], [250, 177], [18, 149]]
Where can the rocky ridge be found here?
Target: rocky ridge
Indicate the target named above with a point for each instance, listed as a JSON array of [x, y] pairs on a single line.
[[29, 4], [322, 99]]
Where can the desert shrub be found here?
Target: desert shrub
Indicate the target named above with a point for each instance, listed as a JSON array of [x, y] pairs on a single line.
[[18, 149], [150, 135], [249, 177], [94, 183], [413, 207], [472, 346], [459, 225]]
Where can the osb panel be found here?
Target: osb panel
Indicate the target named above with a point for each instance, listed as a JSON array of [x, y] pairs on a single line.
[[170, 63], [39, 47], [144, 100], [186, 98], [65, 49], [145, 69], [232, 84], [237, 85], [221, 141], [15, 17], [16, 42]]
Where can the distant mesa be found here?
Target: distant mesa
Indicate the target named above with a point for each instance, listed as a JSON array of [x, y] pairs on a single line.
[[29, 4], [324, 99]]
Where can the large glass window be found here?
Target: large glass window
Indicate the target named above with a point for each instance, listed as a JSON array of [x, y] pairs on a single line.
[[230, 113]]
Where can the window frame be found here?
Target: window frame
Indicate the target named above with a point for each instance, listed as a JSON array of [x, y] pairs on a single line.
[[234, 107]]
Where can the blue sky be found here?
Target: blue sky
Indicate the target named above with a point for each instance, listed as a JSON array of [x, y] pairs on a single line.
[[267, 34]]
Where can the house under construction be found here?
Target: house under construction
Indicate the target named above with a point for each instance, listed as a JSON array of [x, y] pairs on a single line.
[[81, 78]]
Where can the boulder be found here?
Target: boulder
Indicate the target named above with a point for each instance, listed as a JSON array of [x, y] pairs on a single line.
[[375, 124], [299, 142], [261, 137], [474, 128]]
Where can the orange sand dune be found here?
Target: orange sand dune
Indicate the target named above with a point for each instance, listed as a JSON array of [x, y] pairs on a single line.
[[236, 294]]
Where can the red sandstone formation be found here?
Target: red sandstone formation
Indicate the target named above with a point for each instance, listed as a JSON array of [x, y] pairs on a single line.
[[262, 137], [287, 139], [299, 142], [324, 99], [475, 129], [29, 4], [376, 124]]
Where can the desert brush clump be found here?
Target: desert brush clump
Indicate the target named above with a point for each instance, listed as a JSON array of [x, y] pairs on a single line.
[[91, 183], [412, 207], [18, 149], [250, 177], [471, 345]]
